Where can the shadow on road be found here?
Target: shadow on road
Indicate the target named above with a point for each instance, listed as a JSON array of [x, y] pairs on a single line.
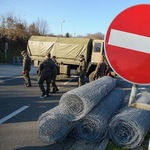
[[64, 145]]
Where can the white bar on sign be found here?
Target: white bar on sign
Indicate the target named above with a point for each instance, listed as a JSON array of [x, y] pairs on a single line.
[[129, 40], [13, 114]]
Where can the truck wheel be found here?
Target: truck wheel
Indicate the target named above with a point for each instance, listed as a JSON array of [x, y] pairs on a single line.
[[90, 76], [73, 72]]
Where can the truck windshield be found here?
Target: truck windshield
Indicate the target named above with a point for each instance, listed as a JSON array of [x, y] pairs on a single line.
[[97, 47]]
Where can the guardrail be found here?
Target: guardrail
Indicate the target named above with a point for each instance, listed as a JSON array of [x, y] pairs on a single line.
[[17, 60]]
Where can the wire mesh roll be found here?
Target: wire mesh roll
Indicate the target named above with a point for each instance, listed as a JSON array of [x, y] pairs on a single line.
[[53, 127], [94, 126], [78, 102], [129, 127]]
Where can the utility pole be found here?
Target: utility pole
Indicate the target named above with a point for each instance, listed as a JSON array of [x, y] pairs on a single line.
[[61, 26]]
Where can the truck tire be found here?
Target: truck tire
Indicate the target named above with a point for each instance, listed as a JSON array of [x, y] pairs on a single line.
[[90, 77], [74, 72]]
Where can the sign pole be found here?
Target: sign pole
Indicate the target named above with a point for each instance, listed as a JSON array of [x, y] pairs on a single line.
[[5, 54], [133, 97], [133, 94], [6, 48]]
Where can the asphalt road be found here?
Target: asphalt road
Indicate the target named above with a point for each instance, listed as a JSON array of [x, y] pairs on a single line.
[[20, 108]]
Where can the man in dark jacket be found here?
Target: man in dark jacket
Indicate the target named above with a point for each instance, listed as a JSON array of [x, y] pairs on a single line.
[[47, 68], [100, 69], [53, 83], [26, 68], [82, 71]]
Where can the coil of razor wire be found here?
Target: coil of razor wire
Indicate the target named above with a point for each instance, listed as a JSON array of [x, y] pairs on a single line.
[[94, 126], [78, 102], [129, 127], [53, 127]]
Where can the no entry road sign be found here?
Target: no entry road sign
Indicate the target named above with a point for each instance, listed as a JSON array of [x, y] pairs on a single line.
[[127, 44]]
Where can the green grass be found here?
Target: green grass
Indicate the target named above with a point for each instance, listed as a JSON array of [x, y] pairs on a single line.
[[112, 146], [148, 135], [144, 147]]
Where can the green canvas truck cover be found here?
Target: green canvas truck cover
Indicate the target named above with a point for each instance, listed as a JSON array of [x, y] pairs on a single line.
[[40, 45], [66, 50]]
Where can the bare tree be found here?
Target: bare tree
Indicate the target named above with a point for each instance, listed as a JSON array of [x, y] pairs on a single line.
[[79, 36], [33, 29], [98, 35], [42, 26], [2, 26]]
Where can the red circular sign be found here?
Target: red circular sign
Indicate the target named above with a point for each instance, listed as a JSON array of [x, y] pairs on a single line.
[[127, 44]]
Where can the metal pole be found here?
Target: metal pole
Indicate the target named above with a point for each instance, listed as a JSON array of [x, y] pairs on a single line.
[[6, 48], [133, 97], [61, 26], [5, 54], [133, 94], [61, 29]]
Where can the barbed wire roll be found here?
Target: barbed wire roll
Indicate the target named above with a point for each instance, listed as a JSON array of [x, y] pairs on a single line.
[[78, 102], [129, 127], [94, 126], [53, 127]]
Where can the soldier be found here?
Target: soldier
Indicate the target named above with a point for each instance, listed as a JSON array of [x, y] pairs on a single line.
[[82, 71], [100, 69], [46, 70], [26, 68], [53, 83]]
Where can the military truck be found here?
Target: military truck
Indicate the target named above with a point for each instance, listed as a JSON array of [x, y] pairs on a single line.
[[67, 52]]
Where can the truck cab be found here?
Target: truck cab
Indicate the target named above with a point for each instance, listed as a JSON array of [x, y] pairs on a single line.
[[97, 51]]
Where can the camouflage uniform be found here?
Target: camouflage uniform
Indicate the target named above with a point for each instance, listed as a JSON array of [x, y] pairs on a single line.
[[26, 69], [47, 68], [100, 69], [53, 84], [82, 72]]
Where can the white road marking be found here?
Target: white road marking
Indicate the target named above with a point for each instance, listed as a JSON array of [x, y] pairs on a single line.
[[13, 114], [69, 80], [129, 40], [11, 79]]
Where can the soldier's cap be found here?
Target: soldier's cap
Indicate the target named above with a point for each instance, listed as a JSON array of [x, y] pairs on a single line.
[[23, 52], [54, 57], [49, 54], [81, 56]]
